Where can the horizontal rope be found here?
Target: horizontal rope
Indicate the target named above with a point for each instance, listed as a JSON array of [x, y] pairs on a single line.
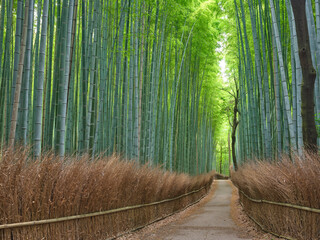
[[264, 229], [76, 217], [308, 209]]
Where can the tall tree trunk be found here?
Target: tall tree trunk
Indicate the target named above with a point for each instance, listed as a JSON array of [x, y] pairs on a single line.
[[309, 75], [235, 124]]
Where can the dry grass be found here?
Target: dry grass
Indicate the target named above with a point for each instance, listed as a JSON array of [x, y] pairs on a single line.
[[53, 188], [248, 229], [295, 183]]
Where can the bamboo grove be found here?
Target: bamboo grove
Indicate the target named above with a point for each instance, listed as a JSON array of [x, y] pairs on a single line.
[[269, 76], [108, 76]]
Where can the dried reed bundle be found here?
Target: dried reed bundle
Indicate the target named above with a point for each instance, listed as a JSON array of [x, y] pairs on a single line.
[[295, 182], [55, 188]]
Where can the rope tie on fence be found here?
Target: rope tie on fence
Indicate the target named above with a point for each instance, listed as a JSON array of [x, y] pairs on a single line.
[[308, 209], [76, 217]]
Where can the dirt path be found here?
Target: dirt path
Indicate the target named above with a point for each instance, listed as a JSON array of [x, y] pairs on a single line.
[[210, 222]]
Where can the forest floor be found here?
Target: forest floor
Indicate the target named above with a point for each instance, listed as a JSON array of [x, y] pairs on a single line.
[[219, 216]]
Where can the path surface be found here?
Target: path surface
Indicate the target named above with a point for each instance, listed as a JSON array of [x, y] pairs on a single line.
[[210, 222]]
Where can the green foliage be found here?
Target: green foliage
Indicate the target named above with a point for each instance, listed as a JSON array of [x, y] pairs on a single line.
[[140, 79]]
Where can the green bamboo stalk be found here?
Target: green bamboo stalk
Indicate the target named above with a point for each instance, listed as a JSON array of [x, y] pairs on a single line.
[[266, 137], [266, 79], [63, 92], [48, 95], [6, 75], [93, 72], [249, 82], [2, 16], [34, 76], [16, 49], [39, 89], [131, 82], [72, 107], [19, 77], [173, 106], [3, 8], [83, 80], [150, 147], [293, 142], [135, 152], [115, 124], [28, 76]]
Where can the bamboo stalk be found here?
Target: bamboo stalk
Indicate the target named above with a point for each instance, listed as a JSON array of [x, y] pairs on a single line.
[[19, 77]]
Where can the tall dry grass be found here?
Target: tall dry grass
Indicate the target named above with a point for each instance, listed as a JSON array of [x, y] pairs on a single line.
[[54, 188], [296, 183]]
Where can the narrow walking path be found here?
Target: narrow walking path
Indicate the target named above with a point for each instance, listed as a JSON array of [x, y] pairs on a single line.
[[210, 222]]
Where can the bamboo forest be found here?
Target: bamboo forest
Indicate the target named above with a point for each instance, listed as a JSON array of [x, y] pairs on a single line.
[[116, 114]]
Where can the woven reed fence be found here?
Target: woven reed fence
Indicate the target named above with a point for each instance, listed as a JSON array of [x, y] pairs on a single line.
[[102, 225], [282, 219]]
